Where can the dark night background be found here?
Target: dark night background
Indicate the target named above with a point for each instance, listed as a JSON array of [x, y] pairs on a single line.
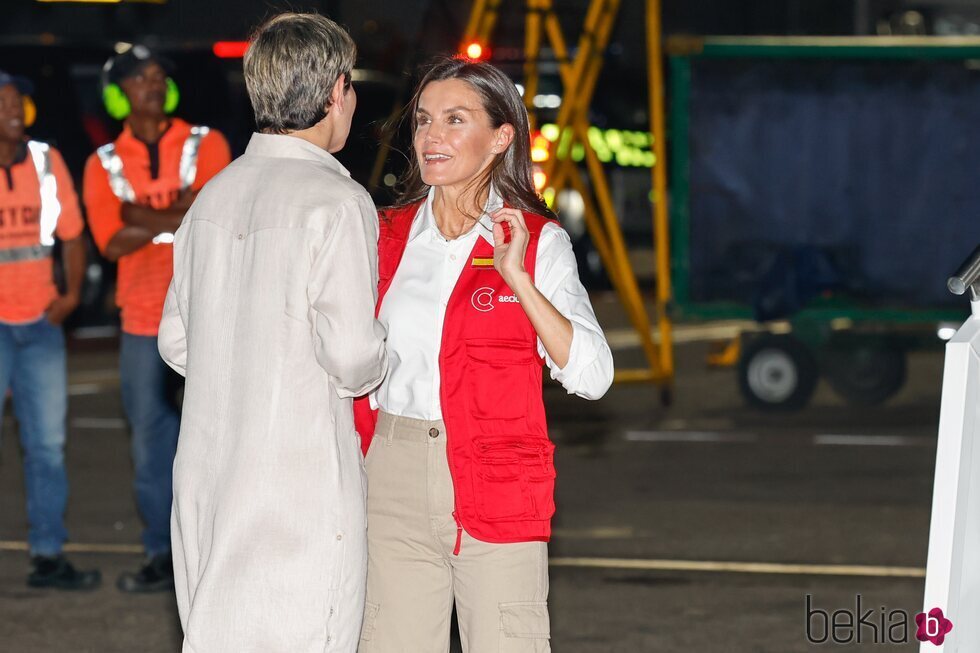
[[62, 46], [666, 509]]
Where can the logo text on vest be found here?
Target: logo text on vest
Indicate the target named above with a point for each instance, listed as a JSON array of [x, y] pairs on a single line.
[[482, 299]]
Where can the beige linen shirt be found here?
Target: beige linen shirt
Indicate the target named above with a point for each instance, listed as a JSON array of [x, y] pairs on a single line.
[[270, 316]]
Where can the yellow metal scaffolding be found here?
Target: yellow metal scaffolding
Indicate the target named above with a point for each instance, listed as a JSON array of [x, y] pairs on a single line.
[[579, 77]]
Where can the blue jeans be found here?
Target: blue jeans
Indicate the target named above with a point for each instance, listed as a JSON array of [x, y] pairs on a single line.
[[32, 366], [148, 388]]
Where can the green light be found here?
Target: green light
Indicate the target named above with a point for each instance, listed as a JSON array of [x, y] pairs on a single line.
[[550, 132], [630, 149], [598, 142], [549, 197], [614, 139]]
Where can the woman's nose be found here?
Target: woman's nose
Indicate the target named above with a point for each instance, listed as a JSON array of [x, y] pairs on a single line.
[[433, 134]]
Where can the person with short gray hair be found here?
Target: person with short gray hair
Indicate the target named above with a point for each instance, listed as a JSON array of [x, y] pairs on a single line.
[[270, 316], [290, 68]]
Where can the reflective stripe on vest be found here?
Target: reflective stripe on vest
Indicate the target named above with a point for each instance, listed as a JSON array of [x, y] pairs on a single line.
[[188, 156], [50, 208], [113, 165]]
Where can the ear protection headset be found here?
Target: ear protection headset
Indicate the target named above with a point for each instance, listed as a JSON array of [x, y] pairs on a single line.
[[30, 111], [117, 104]]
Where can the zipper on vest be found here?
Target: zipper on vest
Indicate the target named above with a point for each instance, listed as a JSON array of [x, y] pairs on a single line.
[[459, 534]]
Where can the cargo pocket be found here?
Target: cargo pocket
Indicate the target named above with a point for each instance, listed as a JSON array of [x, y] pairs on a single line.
[[370, 616], [525, 627], [498, 375], [515, 478]]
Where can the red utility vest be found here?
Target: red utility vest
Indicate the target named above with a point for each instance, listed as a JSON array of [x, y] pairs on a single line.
[[500, 457]]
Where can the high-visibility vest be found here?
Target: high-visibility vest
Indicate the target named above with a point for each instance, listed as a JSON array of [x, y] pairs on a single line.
[[113, 165], [50, 208]]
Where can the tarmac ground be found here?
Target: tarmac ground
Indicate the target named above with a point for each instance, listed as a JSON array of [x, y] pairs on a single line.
[[699, 527]]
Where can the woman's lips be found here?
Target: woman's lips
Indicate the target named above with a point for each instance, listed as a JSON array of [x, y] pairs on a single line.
[[435, 158]]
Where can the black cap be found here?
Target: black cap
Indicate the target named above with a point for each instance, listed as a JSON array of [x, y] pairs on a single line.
[[23, 85], [132, 61]]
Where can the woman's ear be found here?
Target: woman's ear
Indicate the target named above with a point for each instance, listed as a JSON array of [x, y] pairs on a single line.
[[503, 137]]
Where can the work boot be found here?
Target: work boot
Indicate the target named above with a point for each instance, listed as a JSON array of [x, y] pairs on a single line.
[[156, 575], [56, 572]]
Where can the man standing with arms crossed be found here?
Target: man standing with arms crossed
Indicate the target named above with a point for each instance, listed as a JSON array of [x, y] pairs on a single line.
[[37, 205], [271, 318], [136, 192]]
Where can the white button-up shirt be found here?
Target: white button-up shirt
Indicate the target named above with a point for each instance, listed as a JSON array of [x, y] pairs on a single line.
[[414, 309]]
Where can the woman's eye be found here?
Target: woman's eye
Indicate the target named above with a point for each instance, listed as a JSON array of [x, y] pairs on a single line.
[[455, 120]]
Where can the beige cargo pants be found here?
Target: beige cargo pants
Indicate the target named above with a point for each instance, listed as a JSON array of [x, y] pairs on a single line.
[[500, 590]]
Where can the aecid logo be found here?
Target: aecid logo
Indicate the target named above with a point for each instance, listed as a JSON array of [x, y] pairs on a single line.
[[482, 299]]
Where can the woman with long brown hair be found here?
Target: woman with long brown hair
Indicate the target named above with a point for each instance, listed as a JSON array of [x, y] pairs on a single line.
[[478, 288]]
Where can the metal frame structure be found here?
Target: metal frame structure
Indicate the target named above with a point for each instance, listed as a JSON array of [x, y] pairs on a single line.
[[682, 52], [579, 75]]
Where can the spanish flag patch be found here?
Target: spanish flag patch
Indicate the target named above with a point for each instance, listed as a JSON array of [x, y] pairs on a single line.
[[478, 262]]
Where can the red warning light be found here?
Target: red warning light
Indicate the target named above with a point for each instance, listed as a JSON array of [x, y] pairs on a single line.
[[230, 49], [475, 50], [539, 148]]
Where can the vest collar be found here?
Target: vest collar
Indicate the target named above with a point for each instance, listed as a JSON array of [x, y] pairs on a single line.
[[177, 129], [20, 155]]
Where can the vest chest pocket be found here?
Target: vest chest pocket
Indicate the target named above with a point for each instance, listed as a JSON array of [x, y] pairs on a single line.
[[514, 479], [498, 378]]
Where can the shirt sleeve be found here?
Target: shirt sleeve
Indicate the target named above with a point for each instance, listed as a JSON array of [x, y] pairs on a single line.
[[103, 208], [172, 336], [70, 223], [212, 158], [589, 370], [343, 290]]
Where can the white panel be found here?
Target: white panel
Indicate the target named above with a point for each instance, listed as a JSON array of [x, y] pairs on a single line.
[[953, 568]]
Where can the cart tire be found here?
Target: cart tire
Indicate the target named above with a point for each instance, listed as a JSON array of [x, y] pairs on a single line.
[[776, 373], [865, 373]]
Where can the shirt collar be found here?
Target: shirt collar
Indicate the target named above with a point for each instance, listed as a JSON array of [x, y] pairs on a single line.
[[426, 220], [292, 147], [20, 156], [175, 128]]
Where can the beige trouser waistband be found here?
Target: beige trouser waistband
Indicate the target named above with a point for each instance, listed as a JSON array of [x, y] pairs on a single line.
[[394, 427]]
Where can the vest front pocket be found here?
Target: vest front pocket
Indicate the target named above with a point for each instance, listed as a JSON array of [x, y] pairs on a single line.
[[514, 478], [498, 376]]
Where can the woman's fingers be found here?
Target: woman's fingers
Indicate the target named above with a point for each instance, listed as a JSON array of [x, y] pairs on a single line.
[[499, 237], [519, 215], [513, 217], [509, 215]]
